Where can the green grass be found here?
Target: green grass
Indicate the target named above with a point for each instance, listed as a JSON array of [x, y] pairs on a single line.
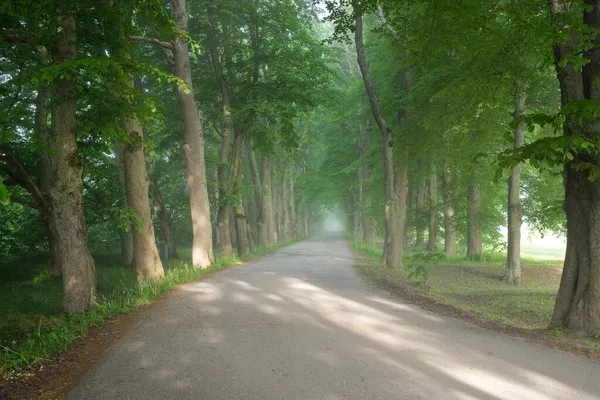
[[477, 286], [33, 327]]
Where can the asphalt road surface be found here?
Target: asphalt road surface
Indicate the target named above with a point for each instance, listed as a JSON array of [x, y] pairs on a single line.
[[301, 324]]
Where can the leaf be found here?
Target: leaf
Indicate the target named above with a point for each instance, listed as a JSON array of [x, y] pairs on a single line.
[[4, 196]]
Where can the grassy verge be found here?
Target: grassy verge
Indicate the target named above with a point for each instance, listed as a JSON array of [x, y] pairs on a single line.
[[33, 328], [477, 286]]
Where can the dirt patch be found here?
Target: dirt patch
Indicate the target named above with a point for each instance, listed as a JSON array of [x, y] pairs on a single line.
[[546, 274], [409, 293]]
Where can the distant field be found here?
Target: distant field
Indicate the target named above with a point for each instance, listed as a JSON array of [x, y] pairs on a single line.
[[550, 247]]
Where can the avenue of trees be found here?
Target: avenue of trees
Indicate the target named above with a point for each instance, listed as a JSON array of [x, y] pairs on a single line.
[[127, 123], [229, 125]]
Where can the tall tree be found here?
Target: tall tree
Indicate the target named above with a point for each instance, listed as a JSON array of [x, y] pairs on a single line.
[[432, 244], [390, 250], [512, 274], [193, 148], [578, 301], [66, 185]]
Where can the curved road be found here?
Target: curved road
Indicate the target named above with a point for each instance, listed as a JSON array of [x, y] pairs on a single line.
[[301, 324]]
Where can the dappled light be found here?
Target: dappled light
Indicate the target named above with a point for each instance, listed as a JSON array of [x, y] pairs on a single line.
[[299, 334]]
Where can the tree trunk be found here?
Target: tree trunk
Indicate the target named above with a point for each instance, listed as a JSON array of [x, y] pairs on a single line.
[[267, 205], [241, 219], [193, 148], [164, 216], [449, 216], [67, 219], [145, 254], [125, 235], [232, 231], [368, 235], [292, 205], [225, 186], [432, 245], [299, 222], [474, 232], [512, 274], [214, 176], [285, 215], [251, 202], [420, 213], [386, 136], [356, 220], [401, 188], [44, 167], [577, 304], [275, 203], [412, 214]]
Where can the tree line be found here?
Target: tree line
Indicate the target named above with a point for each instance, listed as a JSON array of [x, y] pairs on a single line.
[[128, 123], [458, 118]]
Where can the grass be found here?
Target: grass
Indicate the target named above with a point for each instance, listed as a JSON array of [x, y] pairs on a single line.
[[33, 327], [477, 286]]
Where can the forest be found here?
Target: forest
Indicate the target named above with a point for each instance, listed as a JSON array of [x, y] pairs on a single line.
[[147, 142]]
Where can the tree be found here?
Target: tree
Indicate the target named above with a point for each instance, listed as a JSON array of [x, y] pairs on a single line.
[[391, 256], [67, 221], [193, 148], [577, 303]]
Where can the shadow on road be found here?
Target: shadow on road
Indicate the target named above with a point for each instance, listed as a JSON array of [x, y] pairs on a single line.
[[301, 324]]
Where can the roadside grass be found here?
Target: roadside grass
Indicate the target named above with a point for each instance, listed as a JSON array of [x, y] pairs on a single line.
[[477, 286], [33, 327]]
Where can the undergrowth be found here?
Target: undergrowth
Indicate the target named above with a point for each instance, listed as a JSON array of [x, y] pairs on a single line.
[[33, 328]]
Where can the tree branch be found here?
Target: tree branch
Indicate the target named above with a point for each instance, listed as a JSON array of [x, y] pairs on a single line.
[[21, 176], [386, 25], [166, 45], [25, 202]]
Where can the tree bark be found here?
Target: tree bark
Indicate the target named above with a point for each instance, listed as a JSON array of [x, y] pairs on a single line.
[[258, 193], [44, 167], [225, 186], [577, 304], [267, 205], [276, 202], [512, 274], [66, 184], [449, 215], [401, 188], [368, 234], [164, 216], [474, 230], [412, 214], [125, 235], [145, 254], [241, 219], [283, 206], [420, 213], [291, 205], [432, 245], [193, 148], [386, 136]]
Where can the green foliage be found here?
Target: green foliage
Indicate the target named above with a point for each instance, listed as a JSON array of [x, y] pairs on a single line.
[[419, 272], [4, 196]]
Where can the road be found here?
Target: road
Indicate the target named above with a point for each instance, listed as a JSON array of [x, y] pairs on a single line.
[[301, 324]]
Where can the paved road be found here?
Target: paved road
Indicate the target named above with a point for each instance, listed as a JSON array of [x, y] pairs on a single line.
[[300, 324]]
